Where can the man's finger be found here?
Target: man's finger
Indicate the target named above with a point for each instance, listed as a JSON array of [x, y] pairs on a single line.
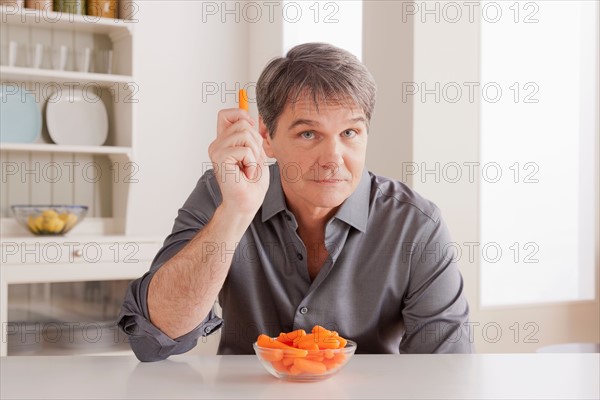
[[241, 139], [230, 116]]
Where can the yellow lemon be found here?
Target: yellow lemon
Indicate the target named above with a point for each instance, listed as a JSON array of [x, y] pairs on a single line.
[[50, 214], [31, 224]]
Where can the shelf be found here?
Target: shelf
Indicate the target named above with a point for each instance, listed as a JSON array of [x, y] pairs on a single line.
[[66, 21], [118, 151], [50, 75]]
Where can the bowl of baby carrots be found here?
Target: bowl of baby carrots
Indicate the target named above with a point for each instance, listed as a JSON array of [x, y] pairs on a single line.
[[304, 357]]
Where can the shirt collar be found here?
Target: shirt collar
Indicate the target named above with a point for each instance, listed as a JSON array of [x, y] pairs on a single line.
[[274, 199], [354, 210]]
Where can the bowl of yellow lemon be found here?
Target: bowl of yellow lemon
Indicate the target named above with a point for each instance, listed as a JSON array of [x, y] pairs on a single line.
[[49, 220]]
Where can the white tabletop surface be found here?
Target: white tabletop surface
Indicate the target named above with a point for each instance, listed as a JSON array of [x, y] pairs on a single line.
[[476, 376]]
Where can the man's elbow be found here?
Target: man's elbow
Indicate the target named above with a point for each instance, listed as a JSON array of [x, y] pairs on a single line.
[[146, 349]]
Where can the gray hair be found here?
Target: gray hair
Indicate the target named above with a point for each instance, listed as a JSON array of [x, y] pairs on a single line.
[[320, 71]]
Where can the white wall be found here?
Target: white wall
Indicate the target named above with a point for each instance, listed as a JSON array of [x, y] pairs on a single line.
[[390, 133], [176, 54]]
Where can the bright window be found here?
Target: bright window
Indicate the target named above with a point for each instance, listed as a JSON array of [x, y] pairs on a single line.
[[538, 129]]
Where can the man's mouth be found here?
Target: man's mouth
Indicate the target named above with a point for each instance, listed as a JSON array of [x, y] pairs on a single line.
[[330, 180]]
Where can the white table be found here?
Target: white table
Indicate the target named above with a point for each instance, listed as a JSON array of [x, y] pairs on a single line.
[[480, 376]]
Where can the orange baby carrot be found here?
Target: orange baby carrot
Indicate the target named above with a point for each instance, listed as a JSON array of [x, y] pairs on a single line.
[[243, 99], [295, 370], [264, 341], [308, 345], [343, 342], [278, 365], [329, 344], [288, 338], [312, 367], [272, 354], [318, 329], [268, 342], [283, 338], [339, 357], [330, 364], [315, 357], [294, 352], [327, 339], [298, 333], [310, 338], [287, 361]]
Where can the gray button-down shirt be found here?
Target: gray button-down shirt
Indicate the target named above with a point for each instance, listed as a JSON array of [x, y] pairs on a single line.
[[390, 282]]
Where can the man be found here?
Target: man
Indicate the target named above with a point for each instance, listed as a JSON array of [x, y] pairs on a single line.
[[314, 239]]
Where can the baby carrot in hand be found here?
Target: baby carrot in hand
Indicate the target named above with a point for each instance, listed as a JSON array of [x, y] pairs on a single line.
[[243, 99]]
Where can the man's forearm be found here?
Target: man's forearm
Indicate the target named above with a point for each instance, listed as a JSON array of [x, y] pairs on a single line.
[[182, 292]]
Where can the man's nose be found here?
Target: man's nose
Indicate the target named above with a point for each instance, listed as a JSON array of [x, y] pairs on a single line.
[[331, 155]]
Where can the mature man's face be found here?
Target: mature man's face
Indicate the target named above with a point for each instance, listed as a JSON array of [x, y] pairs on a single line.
[[321, 155]]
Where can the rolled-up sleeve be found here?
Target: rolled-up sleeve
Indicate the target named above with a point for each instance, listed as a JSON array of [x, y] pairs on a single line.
[[435, 310], [147, 341]]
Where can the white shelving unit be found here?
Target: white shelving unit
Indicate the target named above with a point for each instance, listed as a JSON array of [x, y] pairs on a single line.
[[106, 226], [49, 75], [106, 197], [82, 23], [114, 152]]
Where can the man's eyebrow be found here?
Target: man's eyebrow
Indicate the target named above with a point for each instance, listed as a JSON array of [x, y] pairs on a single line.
[[301, 121], [310, 122]]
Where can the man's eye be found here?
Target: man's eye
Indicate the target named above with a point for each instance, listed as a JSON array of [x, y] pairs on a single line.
[[308, 135], [349, 133]]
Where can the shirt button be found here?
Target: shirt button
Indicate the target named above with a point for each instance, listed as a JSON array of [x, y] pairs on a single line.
[[207, 329], [303, 310], [300, 256]]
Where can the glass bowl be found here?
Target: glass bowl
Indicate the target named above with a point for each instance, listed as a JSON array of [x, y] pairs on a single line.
[[49, 220], [323, 364]]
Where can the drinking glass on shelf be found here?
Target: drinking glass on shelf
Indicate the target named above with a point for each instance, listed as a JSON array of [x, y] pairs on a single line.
[[104, 61], [60, 57], [83, 59], [13, 52], [37, 56], [17, 54]]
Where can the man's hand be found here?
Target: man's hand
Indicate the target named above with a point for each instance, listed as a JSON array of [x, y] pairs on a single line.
[[238, 160]]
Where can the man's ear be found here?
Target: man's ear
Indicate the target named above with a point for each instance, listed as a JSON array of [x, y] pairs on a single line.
[[264, 132]]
